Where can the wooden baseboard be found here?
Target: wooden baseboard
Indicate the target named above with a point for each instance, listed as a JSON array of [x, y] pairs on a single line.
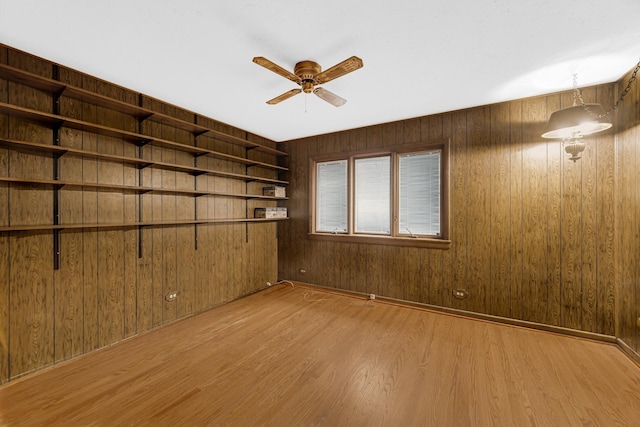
[[628, 351], [473, 315]]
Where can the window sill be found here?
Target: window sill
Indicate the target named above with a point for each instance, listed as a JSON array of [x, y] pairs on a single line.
[[416, 242]]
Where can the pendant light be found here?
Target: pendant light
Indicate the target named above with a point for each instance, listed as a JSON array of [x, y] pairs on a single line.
[[573, 123]]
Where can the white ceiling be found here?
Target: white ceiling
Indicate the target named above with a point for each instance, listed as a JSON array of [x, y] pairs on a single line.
[[420, 57]]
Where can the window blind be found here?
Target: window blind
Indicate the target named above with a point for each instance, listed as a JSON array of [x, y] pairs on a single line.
[[373, 195], [331, 203], [419, 197]]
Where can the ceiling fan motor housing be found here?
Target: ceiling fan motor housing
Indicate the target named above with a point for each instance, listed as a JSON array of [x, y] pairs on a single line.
[[307, 71]]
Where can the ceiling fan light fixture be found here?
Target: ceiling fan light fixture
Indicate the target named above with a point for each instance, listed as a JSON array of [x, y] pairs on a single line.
[[577, 120], [309, 74]]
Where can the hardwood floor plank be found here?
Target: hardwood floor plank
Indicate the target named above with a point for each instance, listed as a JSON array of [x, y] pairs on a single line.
[[304, 356]]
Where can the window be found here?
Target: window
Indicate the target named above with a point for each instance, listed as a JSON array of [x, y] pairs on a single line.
[[332, 197], [397, 196], [419, 193], [372, 195]]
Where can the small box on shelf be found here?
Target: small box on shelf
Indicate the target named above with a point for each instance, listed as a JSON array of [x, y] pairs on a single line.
[[274, 191], [264, 213], [270, 213]]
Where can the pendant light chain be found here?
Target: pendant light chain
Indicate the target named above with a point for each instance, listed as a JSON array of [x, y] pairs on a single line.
[[626, 90]]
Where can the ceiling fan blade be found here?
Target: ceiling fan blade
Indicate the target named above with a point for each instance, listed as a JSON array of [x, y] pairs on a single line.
[[330, 97], [339, 70], [284, 96], [276, 68]]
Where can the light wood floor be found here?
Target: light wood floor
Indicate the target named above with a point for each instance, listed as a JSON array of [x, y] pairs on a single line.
[[301, 356]]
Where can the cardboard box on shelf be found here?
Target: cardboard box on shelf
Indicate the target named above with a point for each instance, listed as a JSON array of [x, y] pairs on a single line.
[[270, 213], [274, 191]]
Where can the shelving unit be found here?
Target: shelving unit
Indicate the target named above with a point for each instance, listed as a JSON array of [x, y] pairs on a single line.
[[138, 189], [56, 121], [58, 88], [134, 224], [141, 163]]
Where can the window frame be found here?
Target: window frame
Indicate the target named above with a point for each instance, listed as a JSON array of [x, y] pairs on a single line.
[[395, 237], [352, 223]]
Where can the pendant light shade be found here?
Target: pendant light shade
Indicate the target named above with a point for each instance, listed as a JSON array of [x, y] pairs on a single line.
[[576, 121]]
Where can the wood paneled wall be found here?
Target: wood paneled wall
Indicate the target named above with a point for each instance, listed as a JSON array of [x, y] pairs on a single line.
[[628, 217], [533, 233], [103, 291]]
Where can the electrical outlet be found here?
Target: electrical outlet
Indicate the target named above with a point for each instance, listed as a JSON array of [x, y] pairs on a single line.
[[303, 270], [460, 293], [171, 296]]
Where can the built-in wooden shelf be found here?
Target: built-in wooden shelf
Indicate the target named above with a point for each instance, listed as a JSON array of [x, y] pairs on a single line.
[[61, 89], [47, 227], [134, 188], [253, 169], [140, 163], [57, 121]]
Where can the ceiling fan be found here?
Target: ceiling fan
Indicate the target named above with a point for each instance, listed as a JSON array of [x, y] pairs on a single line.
[[308, 74]]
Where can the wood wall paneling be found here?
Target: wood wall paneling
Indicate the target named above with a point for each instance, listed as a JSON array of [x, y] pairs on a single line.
[[31, 326], [571, 240], [69, 292], [628, 214], [535, 289], [4, 237], [556, 158], [111, 321], [185, 236], [4, 309], [500, 236], [459, 207], [440, 289], [479, 210], [90, 236], [169, 234], [111, 282], [633, 224], [31, 293], [69, 298], [130, 214], [589, 227], [531, 231], [516, 209]]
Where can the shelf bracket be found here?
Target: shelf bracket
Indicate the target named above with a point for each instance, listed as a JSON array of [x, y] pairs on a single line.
[[140, 153], [196, 156], [142, 117], [56, 211], [142, 166], [143, 142], [56, 174]]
